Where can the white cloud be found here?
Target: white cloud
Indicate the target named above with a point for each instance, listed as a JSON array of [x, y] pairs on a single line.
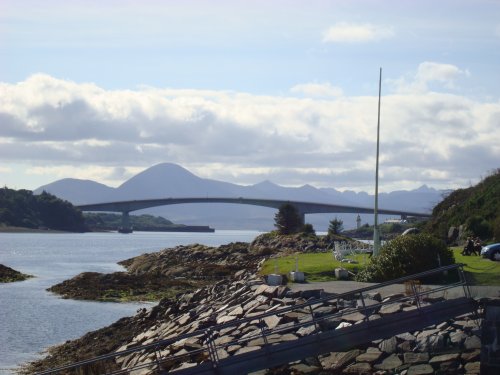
[[429, 73], [84, 131], [345, 32], [317, 90]]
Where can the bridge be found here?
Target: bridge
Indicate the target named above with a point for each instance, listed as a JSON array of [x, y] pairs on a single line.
[[303, 208]]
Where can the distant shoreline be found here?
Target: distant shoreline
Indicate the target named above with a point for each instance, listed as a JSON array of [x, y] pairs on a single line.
[[187, 228], [9, 229]]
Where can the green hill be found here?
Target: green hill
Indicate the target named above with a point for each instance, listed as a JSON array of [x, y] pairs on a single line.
[[475, 210], [110, 221], [21, 208]]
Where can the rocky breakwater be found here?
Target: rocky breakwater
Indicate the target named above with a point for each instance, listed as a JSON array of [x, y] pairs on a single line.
[[176, 336]]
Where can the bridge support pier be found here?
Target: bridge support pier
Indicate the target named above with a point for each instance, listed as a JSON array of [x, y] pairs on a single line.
[[126, 227]]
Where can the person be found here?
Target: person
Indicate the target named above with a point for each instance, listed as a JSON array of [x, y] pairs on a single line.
[[476, 249], [469, 247]]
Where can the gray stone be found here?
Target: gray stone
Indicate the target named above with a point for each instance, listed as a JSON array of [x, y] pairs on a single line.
[[390, 363], [415, 358], [272, 321], [247, 349], [473, 368], [427, 333], [353, 317], [337, 360], [390, 309], [393, 297], [306, 330], [358, 368], [472, 342], [444, 358], [238, 311], [375, 296], [406, 337], [302, 368], [422, 369], [457, 338], [471, 356], [389, 345], [370, 357]]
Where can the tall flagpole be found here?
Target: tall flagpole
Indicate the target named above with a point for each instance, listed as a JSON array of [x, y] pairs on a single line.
[[376, 233]]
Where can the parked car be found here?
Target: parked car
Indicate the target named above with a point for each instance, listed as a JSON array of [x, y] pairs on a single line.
[[491, 251]]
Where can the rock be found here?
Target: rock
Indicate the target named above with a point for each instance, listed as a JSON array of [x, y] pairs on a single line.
[[393, 297], [306, 330], [415, 358], [473, 368], [471, 356], [353, 317], [246, 349], [336, 360], [238, 312], [472, 342], [390, 363], [406, 337], [422, 369], [272, 321], [370, 357], [451, 357], [358, 368], [376, 296], [390, 309], [389, 345], [302, 368], [457, 338], [430, 343]]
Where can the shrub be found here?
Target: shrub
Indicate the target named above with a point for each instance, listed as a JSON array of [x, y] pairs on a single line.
[[407, 255], [308, 229]]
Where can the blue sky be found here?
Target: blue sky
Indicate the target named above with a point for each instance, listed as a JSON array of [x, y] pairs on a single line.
[[245, 91]]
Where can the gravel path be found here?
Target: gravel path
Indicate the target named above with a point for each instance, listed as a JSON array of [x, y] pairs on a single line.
[[347, 286]]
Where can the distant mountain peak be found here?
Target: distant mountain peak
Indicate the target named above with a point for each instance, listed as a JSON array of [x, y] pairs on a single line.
[[266, 183]]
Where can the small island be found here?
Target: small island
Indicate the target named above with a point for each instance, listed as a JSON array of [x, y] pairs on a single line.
[[9, 275]]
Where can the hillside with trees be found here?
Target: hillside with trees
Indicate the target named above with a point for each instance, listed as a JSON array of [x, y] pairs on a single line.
[[476, 210], [110, 221], [21, 208]]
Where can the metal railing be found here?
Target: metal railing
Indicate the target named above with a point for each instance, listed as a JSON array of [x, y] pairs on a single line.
[[210, 346]]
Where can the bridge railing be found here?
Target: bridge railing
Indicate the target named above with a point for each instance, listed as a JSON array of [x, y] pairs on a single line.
[[208, 344]]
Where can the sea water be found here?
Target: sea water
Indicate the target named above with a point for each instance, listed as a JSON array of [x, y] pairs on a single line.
[[32, 319]]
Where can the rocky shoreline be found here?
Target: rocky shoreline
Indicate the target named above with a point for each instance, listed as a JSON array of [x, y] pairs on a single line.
[[452, 347], [164, 274], [9, 275]]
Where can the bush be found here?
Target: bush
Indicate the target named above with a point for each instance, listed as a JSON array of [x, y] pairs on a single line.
[[407, 255], [308, 229]]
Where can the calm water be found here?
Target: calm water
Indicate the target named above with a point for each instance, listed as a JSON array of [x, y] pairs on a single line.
[[32, 319]]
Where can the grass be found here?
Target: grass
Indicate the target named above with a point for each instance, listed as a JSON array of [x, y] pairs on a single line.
[[316, 266], [321, 266], [478, 270]]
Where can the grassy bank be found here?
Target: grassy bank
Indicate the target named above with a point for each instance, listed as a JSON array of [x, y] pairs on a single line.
[[316, 266], [479, 271], [321, 267]]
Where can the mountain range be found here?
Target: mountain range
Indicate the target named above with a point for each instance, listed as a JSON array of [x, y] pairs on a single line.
[[171, 180]]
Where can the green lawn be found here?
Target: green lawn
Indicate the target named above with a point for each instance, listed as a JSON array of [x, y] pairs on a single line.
[[316, 266], [479, 271], [321, 267]]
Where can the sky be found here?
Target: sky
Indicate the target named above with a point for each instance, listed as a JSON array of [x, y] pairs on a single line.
[[247, 91]]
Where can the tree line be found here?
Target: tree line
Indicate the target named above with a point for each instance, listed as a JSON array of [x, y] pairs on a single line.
[[21, 208]]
